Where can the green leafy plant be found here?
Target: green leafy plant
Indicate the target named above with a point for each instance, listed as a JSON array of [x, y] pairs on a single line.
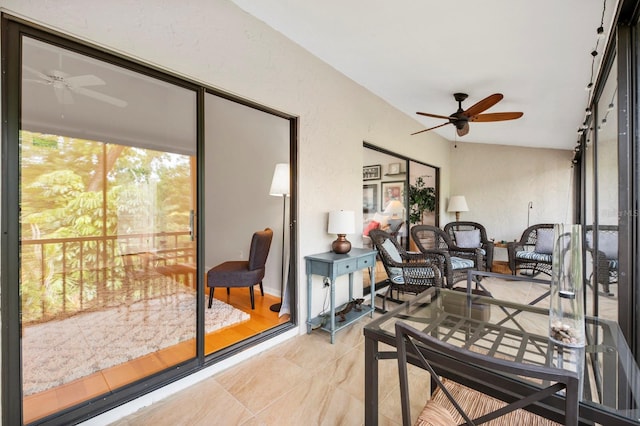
[[421, 198]]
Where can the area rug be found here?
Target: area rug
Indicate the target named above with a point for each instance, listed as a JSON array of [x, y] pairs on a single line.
[[58, 352]]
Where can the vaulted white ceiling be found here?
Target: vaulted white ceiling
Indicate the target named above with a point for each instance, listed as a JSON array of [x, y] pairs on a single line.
[[416, 53]]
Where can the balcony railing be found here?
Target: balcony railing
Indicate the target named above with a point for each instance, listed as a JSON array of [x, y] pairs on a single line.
[[61, 277]]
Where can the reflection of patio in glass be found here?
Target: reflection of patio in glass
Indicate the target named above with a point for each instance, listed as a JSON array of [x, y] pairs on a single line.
[[108, 261], [105, 276], [108, 278]]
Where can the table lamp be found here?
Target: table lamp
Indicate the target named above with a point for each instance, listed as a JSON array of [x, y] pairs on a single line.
[[341, 223], [395, 208], [457, 204]]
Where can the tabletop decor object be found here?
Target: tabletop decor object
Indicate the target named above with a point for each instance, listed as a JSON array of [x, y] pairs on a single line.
[[566, 311], [341, 223], [457, 204]]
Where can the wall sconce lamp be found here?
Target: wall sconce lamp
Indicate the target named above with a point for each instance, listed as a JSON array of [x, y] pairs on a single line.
[[341, 223], [457, 204]]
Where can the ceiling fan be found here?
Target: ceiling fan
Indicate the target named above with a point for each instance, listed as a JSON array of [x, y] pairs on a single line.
[[65, 86], [461, 118]]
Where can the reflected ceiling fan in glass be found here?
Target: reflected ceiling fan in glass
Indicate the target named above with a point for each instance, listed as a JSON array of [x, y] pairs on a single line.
[[65, 85]]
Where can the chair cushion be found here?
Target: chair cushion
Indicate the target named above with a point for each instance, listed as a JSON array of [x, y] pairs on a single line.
[[468, 239], [395, 275], [372, 225], [434, 414], [532, 255], [395, 256], [392, 250], [475, 404], [607, 243], [234, 273], [461, 263], [544, 241], [381, 219]]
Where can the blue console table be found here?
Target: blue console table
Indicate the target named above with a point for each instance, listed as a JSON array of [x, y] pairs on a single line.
[[331, 266]]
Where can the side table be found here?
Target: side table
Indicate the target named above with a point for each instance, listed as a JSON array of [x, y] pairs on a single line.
[[331, 266]]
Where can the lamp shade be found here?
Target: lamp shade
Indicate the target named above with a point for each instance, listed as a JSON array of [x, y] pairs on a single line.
[[394, 208], [280, 181], [341, 222], [457, 203]]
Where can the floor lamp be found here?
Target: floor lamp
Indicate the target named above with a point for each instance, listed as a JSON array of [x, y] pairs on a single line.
[[280, 188]]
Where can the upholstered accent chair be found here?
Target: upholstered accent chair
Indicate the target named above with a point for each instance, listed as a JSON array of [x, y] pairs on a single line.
[[457, 260], [472, 235], [452, 403], [243, 273], [534, 250], [406, 272], [605, 258]]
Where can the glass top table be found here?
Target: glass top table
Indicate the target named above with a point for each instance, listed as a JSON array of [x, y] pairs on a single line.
[[609, 374]]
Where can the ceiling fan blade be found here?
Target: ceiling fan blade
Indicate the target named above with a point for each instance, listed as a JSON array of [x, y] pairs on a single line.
[[484, 104], [37, 73], [430, 128], [464, 130], [496, 116], [85, 80], [33, 80], [100, 96], [426, 114], [63, 94]]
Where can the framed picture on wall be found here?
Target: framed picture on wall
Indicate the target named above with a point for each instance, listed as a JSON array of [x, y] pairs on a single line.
[[394, 168], [372, 172], [391, 191], [370, 198]]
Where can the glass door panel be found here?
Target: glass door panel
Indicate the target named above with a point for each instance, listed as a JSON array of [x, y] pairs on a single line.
[[605, 250], [107, 246]]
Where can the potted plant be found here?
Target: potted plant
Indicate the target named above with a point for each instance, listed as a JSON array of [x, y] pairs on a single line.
[[421, 198]]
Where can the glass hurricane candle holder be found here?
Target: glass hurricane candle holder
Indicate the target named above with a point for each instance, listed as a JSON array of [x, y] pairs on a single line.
[[566, 311]]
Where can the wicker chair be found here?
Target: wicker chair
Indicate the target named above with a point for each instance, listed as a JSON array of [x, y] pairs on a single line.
[[406, 272], [605, 259], [452, 403], [457, 260], [534, 251], [475, 235]]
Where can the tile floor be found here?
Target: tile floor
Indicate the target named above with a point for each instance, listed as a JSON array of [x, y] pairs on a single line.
[[304, 381]]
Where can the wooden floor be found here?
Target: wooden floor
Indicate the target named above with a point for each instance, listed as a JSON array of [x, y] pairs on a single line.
[[262, 318]]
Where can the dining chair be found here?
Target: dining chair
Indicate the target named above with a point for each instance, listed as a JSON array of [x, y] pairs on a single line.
[[452, 403], [243, 273]]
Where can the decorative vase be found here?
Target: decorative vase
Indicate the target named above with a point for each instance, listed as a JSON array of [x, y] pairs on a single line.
[[566, 311]]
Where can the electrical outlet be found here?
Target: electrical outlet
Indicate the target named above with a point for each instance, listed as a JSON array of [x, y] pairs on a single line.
[[326, 282]]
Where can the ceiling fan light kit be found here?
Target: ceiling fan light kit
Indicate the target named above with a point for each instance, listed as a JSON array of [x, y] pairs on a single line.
[[461, 118]]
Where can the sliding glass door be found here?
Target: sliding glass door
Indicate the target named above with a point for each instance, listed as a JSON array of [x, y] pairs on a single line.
[[107, 227]]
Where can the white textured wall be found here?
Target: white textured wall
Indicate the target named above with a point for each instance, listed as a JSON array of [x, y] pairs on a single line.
[[217, 43], [499, 181]]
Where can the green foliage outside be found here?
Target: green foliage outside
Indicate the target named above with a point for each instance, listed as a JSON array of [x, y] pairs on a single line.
[[72, 189]]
